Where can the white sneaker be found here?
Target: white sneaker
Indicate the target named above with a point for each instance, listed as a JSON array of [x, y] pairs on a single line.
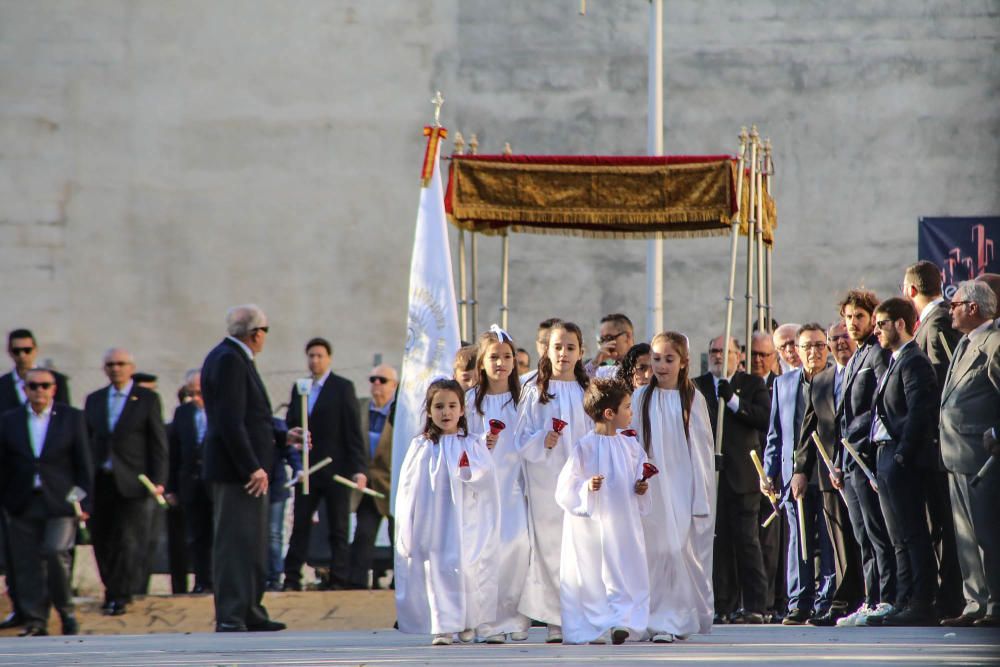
[[663, 638], [875, 616], [854, 618], [499, 638], [518, 636], [466, 636], [443, 639], [555, 635]]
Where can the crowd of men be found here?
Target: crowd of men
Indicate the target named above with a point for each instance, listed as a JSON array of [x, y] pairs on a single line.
[[220, 467], [870, 433]]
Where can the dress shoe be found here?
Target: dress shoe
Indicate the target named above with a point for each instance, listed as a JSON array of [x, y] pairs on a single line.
[[963, 621], [33, 631], [115, 608], [13, 620], [912, 615], [619, 635], [796, 617], [200, 589], [70, 626], [988, 621], [230, 627], [291, 586], [266, 626], [828, 619], [749, 618], [720, 620]]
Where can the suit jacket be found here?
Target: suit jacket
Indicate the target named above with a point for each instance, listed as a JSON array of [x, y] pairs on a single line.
[[335, 428], [64, 461], [9, 398], [740, 429], [820, 417], [782, 435], [864, 370], [970, 403], [906, 402], [240, 437], [138, 443], [186, 453], [928, 339]]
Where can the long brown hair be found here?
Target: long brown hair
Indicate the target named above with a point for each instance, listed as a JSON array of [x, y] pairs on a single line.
[[431, 430], [513, 382], [545, 364], [684, 385]]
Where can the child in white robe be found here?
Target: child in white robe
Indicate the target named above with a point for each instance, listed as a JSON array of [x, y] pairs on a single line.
[[671, 418], [604, 577], [494, 400], [550, 419], [447, 521]]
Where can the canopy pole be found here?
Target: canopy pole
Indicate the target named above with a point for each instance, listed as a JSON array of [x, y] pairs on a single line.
[[768, 170], [734, 237], [474, 288], [759, 229], [504, 279], [654, 146], [751, 225], [462, 285]]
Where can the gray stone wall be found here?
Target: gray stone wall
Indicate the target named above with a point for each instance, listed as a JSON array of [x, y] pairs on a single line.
[[160, 161]]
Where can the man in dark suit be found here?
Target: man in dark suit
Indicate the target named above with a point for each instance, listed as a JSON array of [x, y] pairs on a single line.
[[903, 425], [822, 400], [938, 339], [737, 543], [23, 350], [43, 455], [335, 432], [864, 370], [127, 438], [186, 486], [239, 450]]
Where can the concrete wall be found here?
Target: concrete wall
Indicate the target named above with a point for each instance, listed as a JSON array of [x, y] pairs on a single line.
[[160, 161]]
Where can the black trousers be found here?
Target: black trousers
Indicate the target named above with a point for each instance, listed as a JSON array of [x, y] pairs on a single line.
[[773, 545], [878, 560], [902, 501], [177, 552], [8, 558], [239, 554], [949, 599], [367, 521], [120, 531], [198, 533], [737, 552], [850, 582], [41, 547], [337, 499]]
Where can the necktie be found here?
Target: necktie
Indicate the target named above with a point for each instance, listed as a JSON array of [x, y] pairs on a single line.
[[838, 388]]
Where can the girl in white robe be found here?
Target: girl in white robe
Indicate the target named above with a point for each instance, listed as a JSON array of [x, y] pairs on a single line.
[[447, 521], [495, 397], [556, 393], [672, 421], [604, 577]]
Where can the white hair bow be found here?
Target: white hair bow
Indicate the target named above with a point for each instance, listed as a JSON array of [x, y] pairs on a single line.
[[501, 334]]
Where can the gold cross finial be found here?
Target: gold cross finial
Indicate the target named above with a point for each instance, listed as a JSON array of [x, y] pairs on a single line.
[[437, 101]]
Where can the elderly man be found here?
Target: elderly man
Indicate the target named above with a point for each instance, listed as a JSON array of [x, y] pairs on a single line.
[[374, 417], [614, 338], [334, 432], [127, 438], [43, 455], [239, 450], [806, 596], [784, 342], [738, 563], [970, 424]]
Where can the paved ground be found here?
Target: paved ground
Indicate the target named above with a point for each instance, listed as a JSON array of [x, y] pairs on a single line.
[[729, 645]]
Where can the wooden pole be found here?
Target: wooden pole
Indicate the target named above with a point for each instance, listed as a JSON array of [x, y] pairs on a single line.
[[759, 232], [768, 171], [504, 279], [463, 313], [751, 224], [305, 388], [473, 302]]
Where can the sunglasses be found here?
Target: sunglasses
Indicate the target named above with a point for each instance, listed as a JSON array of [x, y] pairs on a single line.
[[610, 338], [378, 379], [35, 386], [112, 364], [21, 350], [884, 324]]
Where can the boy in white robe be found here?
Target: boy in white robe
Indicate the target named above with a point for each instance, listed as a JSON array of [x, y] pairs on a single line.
[[604, 582]]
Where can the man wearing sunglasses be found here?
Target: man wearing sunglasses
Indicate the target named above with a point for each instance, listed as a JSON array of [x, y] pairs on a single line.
[[615, 338], [43, 455], [23, 350]]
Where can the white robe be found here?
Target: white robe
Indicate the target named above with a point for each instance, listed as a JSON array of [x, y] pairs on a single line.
[[514, 548], [447, 528], [604, 577], [540, 598], [680, 529]]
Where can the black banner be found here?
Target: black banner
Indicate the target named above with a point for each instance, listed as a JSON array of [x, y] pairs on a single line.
[[963, 247]]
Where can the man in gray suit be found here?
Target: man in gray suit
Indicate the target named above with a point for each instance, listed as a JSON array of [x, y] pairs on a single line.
[[970, 423]]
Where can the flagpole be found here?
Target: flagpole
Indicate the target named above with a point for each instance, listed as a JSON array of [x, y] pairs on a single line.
[[654, 146]]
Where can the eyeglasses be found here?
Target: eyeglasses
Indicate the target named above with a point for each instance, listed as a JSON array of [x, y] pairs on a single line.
[[955, 304], [35, 386], [715, 350], [378, 379], [757, 355], [884, 324], [21, 350], [112, 364], [264, 329], [812, 347], [610, 338]]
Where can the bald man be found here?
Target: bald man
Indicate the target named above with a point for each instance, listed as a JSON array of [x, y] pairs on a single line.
[[127, 438], [382, 383]]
